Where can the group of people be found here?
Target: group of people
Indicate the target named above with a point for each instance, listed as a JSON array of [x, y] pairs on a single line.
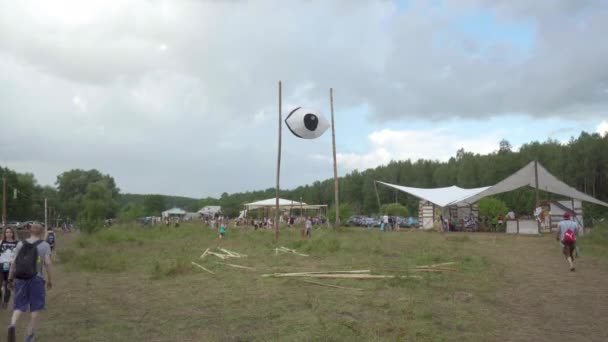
[[24, 266], [388, 223]]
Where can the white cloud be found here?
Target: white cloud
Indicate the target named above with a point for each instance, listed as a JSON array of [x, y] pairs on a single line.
[[168, 86], [602, 128], [437, 144], [259, 117], [79, 103]]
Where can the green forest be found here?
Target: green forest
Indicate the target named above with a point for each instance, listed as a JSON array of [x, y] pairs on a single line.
[[89, 196]]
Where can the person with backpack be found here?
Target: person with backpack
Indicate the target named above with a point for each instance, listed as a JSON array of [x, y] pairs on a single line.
[[50, 239], [567, 236], [26, 278], [7, 254]]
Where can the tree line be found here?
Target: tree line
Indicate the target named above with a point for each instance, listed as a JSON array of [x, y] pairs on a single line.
[[88, 196]]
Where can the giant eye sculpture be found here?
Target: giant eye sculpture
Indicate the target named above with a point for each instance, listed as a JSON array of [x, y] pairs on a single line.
[[306, 123]]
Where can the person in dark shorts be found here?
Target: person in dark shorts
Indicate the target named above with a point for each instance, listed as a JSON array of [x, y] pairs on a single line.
[[28, 281], [7, 254], [50, 239], [566, 235]]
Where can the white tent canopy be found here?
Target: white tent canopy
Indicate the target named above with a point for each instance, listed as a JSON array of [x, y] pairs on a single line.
[[271, 203], [210, 210], [527, 177], [439, 196], [453, 195]]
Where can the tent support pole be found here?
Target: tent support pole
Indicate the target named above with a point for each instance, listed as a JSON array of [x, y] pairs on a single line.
[[301, 210], [377, 196]]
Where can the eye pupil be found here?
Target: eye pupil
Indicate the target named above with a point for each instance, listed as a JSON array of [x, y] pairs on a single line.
[[311, 121]]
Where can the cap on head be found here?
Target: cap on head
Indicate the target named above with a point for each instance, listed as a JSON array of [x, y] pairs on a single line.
[[567, 215]]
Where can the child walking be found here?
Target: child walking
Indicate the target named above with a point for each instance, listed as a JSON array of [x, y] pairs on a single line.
[[222, 230]]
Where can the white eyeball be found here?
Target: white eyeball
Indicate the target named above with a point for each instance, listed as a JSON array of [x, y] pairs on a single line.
[[306, 123]]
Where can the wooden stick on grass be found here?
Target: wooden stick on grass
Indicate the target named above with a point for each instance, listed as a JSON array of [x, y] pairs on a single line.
[[436, 265], [236, 266], [346, 276], [232, 254], [205, 253], [329, 285], [201, 267], [295, 274], [221, 256], [435, 270]]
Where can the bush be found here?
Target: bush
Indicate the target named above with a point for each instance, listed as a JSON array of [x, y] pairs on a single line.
[[395, 209], [89, 226], [345, 213], [492, 207]]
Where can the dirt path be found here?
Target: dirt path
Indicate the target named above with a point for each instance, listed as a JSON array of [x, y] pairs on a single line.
[[546, 302]]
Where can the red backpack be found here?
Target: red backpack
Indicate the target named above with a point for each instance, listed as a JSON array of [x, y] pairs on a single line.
[[569, 236]]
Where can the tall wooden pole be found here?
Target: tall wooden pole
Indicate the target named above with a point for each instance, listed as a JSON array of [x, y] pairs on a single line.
[[46, 213], [333, 142], [4, 201], [276, 214], [536, 189]]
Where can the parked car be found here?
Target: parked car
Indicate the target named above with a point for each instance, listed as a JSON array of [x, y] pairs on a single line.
[[354, 220], [410, 222]]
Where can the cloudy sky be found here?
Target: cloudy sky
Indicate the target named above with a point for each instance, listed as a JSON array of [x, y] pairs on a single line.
[[180, 97]]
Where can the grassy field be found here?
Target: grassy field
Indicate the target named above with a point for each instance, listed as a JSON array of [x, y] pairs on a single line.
[[134, 284]]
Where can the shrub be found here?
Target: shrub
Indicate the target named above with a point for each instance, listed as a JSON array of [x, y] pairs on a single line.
[[395, 209], [345, 213], [492, 207]]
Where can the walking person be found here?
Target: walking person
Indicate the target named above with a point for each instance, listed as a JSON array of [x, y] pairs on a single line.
[[7, 254], [384, 224], [566, 234], [50, 239], [308, 226], [222, 230], [26, 277]]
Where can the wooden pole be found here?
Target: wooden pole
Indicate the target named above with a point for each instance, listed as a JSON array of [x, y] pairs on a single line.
[[4, 201], [301, 209], [377, 196], [46, 213], [333, 142], [276, 214], [536, 189]]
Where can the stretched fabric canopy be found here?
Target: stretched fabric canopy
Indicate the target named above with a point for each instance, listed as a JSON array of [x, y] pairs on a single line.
[[526, 177], [439, 196], [271, 202]]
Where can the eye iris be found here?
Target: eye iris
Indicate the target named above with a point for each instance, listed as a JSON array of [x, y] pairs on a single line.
[[311, 122]]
